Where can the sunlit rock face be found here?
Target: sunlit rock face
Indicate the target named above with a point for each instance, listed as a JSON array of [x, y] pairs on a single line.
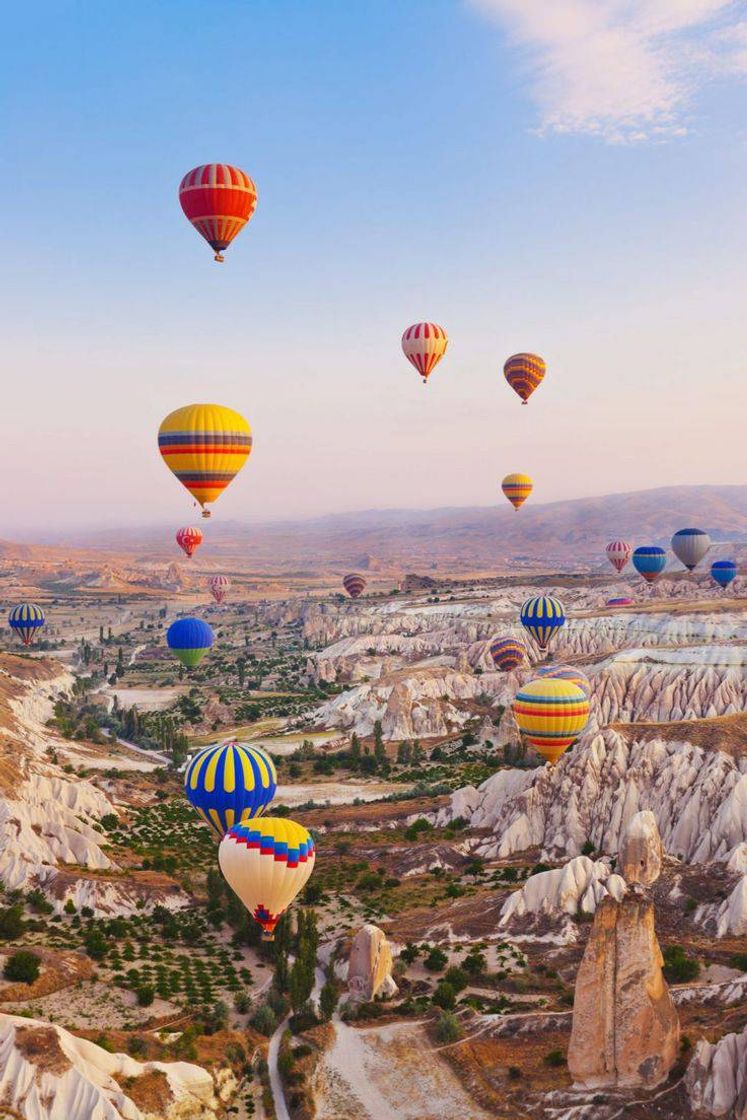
[[370, 965], [625, 1029], [716, 1078]]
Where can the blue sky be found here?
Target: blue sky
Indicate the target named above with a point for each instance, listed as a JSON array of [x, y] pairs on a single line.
[[573, 187]]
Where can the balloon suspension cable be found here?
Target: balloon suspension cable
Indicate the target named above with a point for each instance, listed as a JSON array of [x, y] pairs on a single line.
[[219, 258]]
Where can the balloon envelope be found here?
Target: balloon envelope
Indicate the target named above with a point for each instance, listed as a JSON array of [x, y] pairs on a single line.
[[25, 619], [567, 673], [542, 616], [424, 345], [649, 561], [354, 584], [618, 553], [524, 372], [189, 639], [267, 862], [517, 488], [723, 571], [551, 714], [229, 783], [218, 200], [219, 587], [188, 538], [507, 653], [205, 446], [690, 546]]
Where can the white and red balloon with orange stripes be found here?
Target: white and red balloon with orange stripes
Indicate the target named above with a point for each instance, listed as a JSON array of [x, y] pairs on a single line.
[[219, 587], [219, 200], [424, 345]]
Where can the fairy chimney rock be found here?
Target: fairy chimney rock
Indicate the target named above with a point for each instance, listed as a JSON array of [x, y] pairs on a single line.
[[370, 965], [641, 850]]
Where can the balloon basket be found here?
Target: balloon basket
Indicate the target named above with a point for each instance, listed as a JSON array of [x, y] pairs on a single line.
[[268, 935], [219, 258]]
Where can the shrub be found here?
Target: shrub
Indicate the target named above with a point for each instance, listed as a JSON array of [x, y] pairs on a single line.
[[457, 977], [11, 922], [23, 966], [554, 1058], [145, 995], [514, 1073], [69, 907], [739, 961], [678, 967], [448, 1027], [436, 960], [264, 1020], [444, 996]]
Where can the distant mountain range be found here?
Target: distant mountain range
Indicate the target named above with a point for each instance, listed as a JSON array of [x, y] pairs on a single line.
[[471, 538]]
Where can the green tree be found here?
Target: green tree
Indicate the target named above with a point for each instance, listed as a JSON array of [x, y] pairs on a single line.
[[23, 966], [11, 922], [328, 1000]]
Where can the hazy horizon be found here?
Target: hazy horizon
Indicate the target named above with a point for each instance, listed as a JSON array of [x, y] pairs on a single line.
[[462, 162]]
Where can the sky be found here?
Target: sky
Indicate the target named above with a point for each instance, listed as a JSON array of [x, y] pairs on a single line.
[[560, 176]]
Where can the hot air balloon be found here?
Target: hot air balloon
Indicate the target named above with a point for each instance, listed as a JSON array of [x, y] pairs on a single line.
[[219, 587], [690, 546], [551, 714], [524, 372], [205, 446], [507, 653], [620, 601], [542, 616], [650, 561], [723, 571], [229, 783], [266, 863], [424, 345], [189, 639], [517, 488], [25, 619], [354, 584], [188, 539], [618, 554], [218, 200], [567, 673]]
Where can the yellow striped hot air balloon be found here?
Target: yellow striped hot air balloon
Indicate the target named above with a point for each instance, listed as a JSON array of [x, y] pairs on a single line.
[[551, 715], [205, 446], [517, 488]]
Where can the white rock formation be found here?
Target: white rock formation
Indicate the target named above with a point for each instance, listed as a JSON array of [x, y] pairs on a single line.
[[578, 887], [716, 1078], [48, 1074], [728, 917], [641, 850], [698, 798]]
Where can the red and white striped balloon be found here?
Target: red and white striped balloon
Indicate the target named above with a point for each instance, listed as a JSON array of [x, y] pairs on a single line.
[[424, 345], [219, 200], [618, 553], [219, 587], [188, 538]]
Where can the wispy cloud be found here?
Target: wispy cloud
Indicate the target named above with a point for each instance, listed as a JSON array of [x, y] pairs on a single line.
[[623, 70]]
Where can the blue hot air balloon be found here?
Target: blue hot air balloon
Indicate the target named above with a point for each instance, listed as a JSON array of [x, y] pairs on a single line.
[[542, 616], [189, 639], [25, 619], [649, 561], [690, 546], [230, 783], [723, 571]]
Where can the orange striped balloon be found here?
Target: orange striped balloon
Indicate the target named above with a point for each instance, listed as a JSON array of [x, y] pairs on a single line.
[[524, 372], [219, 200], [424, 345], [517, 488]]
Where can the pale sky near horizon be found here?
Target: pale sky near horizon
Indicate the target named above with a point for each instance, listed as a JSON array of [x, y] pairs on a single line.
[[565, 177]]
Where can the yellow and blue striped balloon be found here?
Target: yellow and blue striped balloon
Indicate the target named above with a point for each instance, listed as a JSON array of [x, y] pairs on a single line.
[[542, 616], [230, 782], [25, 619]]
